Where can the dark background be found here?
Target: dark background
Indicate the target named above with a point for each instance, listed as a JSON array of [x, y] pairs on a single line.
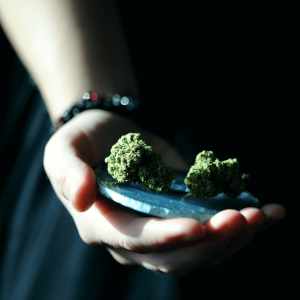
[[221, 79], [224, 77]]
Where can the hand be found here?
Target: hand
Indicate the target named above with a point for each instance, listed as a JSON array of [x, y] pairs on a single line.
[[173, 246]]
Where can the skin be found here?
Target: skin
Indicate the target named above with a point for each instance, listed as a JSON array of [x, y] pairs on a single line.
[[51, 32]]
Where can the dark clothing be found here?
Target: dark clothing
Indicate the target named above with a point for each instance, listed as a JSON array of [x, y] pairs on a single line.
[[42, 255]]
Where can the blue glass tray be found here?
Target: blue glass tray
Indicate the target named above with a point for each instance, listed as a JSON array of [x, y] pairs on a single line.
[[176, 203]]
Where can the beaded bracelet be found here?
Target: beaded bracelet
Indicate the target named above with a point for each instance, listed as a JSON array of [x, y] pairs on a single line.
[[114, 103]]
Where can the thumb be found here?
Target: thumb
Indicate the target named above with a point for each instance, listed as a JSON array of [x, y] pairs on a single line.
[[71, 178]]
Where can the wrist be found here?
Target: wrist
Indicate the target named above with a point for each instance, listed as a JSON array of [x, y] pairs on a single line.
[[107, 101], [61, 95]]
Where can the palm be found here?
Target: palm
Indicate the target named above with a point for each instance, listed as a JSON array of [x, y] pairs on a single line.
[[173, 246]]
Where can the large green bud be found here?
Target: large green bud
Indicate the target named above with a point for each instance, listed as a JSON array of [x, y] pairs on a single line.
[[131, 160]]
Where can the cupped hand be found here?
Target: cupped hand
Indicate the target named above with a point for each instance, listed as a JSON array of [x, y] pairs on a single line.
[[173, 246]]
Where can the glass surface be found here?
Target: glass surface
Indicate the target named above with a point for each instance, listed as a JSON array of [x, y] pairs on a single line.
[[176, 203]]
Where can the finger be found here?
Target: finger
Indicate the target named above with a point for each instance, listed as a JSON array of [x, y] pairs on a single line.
[[176, 262], [77, 183], [255, 218], [274, 213], [111, 224], [225, 224], [181, 260], [71, 178], [221, 229]]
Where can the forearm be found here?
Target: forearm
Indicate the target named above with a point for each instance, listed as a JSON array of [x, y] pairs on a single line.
[[69, 47]]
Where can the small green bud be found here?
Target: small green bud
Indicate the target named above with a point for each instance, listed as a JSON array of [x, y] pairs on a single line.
[[131, 160], [209, 177], [235, 183]]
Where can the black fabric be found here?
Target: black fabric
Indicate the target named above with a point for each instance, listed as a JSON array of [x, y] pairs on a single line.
[[42, 252]]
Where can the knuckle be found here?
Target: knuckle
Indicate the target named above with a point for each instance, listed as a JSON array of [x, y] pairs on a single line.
[[132, 246], [56, 170], [171, 266], [49, 155], [60, 183]]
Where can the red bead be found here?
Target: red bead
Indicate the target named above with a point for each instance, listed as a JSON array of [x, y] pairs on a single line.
[[59, 122], [94, 96]]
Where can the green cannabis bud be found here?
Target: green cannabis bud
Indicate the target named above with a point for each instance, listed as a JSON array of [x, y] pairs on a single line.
[[131, 160], [209, 177]]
